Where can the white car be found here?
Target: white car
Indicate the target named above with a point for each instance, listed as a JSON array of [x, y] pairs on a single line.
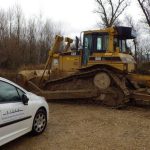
[[20, 112]]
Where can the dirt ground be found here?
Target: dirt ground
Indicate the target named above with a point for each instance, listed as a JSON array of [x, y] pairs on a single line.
[[79, 126]]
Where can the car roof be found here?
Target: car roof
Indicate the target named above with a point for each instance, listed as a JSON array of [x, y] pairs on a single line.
[[10, 82]]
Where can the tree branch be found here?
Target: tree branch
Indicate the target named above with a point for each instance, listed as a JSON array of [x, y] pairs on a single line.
[[109, 12], [145, 11], [104, 11]]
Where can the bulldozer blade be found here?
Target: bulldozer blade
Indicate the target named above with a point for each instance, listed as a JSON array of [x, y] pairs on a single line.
[[141, 98]]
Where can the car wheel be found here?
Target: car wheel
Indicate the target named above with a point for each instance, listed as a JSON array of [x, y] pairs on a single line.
[[40, 122]]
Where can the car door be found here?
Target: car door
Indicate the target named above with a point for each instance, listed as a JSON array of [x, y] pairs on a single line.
[[15, 117]]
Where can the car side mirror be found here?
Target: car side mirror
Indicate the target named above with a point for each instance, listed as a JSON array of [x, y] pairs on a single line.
[[25, 99]]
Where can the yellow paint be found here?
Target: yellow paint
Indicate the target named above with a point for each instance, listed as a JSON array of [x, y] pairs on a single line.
[[70, 63], [139, 77]]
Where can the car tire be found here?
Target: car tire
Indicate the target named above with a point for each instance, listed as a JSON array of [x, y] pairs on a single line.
[[39, 122]]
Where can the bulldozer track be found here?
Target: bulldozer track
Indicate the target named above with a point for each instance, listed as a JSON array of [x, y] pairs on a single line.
[[118, 80], [82, 82]]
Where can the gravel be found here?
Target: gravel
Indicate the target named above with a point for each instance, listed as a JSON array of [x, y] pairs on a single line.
[[77, 126]]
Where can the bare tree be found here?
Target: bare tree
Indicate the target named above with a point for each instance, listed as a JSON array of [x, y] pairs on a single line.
[[130, 22], [3, 24], [10, 15], [22, 41], [3, 37], [145, 6], [145, 48], [48, 31], [18, 21], [110, 10], [31, 37]]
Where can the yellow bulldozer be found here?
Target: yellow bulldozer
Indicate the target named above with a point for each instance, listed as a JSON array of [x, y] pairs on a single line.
[[103, 69]]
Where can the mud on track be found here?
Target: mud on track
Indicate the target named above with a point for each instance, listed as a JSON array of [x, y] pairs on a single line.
[[79, 126]]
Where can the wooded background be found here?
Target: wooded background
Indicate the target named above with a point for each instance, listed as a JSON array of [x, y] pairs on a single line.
[[27, 41], [24, 41]]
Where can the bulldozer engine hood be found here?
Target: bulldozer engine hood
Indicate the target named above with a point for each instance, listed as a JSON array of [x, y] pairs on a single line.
[[127, 58]]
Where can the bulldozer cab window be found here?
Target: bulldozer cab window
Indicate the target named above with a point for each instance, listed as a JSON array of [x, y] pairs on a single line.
[[99, 43], [106, 40], [121, 44], [87, 44]]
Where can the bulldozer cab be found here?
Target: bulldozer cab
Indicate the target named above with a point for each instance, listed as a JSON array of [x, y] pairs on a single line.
[[102, 42], [100, 47], [123, 35], [94, 43]]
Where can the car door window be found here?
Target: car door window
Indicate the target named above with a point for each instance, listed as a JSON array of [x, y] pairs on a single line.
[[8, 93], [21, 93]]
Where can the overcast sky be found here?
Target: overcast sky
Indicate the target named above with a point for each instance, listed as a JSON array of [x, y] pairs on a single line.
[[75, 15]]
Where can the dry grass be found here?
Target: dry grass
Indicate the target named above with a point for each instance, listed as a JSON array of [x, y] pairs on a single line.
[[32, 67], [8, 74]]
